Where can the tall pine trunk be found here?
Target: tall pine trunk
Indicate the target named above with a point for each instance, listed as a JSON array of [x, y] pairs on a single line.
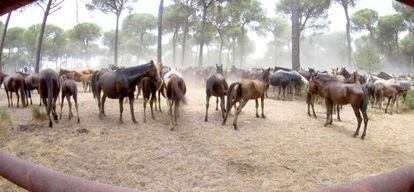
[[187, 10], [174, 44], [242, 46], [3, 39], [40, 40], [116, 39], [203, 25], [348, 38], [295, 36], [159, 42]]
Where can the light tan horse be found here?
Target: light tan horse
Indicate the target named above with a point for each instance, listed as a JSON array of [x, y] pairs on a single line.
[[244, 91], [175, 90]]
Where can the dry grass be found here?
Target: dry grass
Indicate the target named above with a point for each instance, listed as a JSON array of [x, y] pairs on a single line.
[[37, 113], [287, 151], [5, 123]]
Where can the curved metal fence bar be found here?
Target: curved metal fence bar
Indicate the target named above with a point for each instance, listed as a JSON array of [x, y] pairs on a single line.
[[36, 178], [399, 180]]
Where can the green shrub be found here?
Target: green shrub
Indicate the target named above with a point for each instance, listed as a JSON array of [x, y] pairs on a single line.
[[409, 100], [37, 114]]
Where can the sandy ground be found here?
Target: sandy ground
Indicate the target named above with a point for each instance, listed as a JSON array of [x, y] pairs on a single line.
[[287, 151]]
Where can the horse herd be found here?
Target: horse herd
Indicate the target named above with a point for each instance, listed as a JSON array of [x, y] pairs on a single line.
[[337, 87]]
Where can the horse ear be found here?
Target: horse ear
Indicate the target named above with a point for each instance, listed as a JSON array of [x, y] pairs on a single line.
[[152, 62]]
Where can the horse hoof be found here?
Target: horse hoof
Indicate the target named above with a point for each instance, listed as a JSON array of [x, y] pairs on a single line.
[[172, 127], [263, 116], [205, 120], [78, 120], [338, 120], [257, 115], [363, 137], [326, 124], [235, 127]]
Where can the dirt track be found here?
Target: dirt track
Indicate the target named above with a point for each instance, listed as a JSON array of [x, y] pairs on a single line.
[[287, 151]]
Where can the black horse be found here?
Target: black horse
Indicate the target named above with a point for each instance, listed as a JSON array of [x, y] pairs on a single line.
[[216, 85]]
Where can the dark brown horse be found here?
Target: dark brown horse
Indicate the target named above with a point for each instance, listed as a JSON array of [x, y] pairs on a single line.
[[49, 87], [339, 93], [175, 90], [244, 91], [149, 89], [120, 84], [69, 88], [14, 83], [31, 82], [216, 85]]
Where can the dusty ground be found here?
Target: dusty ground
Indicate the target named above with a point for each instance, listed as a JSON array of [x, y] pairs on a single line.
[[287, 151]]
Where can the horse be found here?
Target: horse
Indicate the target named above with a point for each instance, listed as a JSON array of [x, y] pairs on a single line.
[[390, 91], [49, 87], [120, 84], [244, 91], [339, 93], [69, 88], [31, 82], [216, 85], [344, 73], [175, 90], [113, 67], [85, 78], [14, 83], [161, 70], [284, 79], [149, 89]]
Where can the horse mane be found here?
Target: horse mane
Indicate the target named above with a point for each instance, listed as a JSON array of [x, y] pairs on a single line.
[[134, 72]]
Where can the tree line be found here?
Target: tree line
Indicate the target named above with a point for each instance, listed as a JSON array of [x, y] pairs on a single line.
[[205, 32]]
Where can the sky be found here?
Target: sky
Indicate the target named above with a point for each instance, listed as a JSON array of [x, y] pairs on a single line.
[[66, 17]]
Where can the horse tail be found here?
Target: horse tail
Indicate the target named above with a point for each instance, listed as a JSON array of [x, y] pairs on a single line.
[[230, 94], [49, 87], [365, 101], [93, 83], [177, 93]]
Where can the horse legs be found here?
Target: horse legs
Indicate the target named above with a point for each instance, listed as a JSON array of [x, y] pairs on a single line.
[[313, 98], [55, 117], [388, 103], [75, 98], [207, 104], [151, 105], [262, 105], [239, 108], [144, 103], [217, 101], [159, 100], [337, 112], [103, 105], [257, 107], [359, 118], [61, 106], [18, 98], [364, 114], [121, 108], [98, 97], [293, 92], [131, 106], [176, 112], [170, 106], [70, 106], [222, 105], [329, 106], [8, 99]]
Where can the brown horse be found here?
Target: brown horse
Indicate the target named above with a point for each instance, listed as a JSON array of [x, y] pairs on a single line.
[[85, 78], [49, 87], [149, 89], [14, 83], [392, 92], [175, 90], [339, 93], [69, 88], [244, 91], [31, 82], [120, 84], [216, 85]]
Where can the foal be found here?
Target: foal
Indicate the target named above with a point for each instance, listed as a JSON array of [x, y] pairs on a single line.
[[14, 83], [244, 91], [149, 89], [175, 90], [69, 88], [216, 85]]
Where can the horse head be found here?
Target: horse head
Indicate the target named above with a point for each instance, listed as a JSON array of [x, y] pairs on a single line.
[[219, 69]]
